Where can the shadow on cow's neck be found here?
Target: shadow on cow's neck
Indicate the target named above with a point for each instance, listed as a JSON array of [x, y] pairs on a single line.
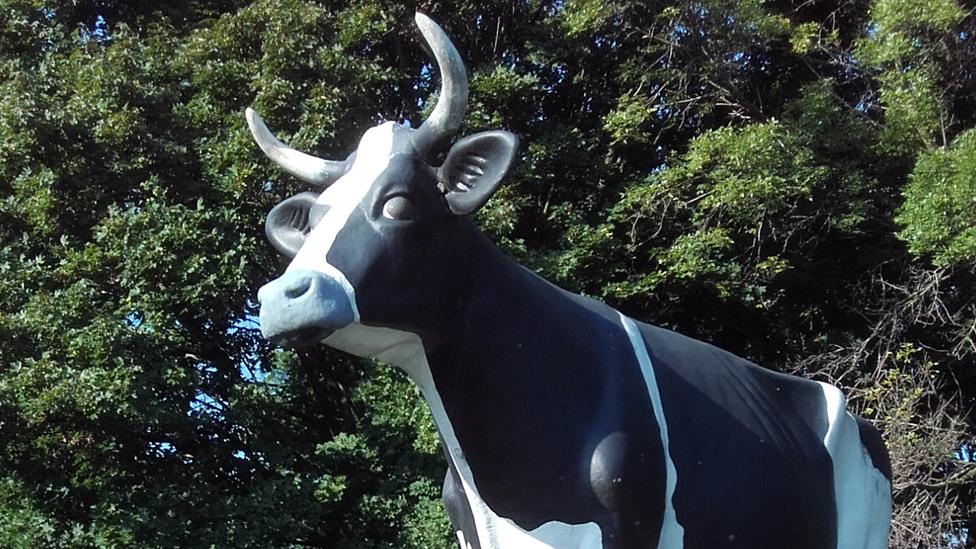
[[501, 306], [470, 291]]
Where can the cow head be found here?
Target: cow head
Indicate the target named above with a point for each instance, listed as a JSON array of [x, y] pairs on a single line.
[[383, 243]]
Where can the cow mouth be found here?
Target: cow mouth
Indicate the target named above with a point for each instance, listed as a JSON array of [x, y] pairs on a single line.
[[301, 337]]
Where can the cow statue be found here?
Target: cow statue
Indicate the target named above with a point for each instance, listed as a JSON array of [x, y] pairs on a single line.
[[565, 423]]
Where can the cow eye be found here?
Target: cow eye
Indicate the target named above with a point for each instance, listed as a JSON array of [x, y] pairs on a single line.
[[399, 207]]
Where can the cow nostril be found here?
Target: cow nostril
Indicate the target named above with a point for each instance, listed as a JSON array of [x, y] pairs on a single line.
[[299, 288]]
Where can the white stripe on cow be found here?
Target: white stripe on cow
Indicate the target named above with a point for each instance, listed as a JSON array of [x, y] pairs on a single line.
[[860, 489], [672, 533], [343, 198]]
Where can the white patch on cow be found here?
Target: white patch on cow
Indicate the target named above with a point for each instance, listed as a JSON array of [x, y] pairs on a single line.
[[862, 493], [672, 533], [343, 198], [405, 350], [463, 543]]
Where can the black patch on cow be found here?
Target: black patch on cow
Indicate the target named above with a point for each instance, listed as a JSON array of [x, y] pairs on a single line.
[[873, 443], [571, 434], [747, 444]]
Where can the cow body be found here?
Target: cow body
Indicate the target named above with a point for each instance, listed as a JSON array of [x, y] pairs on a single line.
[[555, 411], [565, 424]]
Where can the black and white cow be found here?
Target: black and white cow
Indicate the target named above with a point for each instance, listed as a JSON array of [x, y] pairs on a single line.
[[565, 423]]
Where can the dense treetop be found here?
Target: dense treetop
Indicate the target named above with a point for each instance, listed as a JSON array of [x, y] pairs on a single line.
[[794, 181]]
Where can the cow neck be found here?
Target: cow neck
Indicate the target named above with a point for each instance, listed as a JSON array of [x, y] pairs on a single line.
[[499, 352]]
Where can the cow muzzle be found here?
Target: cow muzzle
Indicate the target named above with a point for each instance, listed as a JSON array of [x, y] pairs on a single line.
[[302, 307]]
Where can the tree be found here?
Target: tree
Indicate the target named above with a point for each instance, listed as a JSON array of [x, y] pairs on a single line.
[[790, 180], [139, 406]]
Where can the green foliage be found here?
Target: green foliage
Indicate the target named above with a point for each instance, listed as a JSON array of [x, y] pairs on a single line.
[[384, 476], [911, 42], [21, 524], [138, 403], [743, 175], [582, 16], [938, 217], [912, 16], [745, 207], [628, 123], [792, 182]]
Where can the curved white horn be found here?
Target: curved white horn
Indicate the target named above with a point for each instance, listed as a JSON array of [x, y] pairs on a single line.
[[314, 170], [448, 114]]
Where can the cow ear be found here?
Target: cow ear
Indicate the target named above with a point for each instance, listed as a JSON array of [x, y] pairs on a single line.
[[474, 167], [289, 222]]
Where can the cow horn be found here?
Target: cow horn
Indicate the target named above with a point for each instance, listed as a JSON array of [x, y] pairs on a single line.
[[314, 170], [447, 115]]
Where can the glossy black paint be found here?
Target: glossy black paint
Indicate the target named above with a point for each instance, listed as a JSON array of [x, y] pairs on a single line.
[[748, 447], [871, 439], [546, 397]]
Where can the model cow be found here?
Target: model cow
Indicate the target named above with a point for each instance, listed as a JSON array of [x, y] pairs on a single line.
[[565, 423]]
